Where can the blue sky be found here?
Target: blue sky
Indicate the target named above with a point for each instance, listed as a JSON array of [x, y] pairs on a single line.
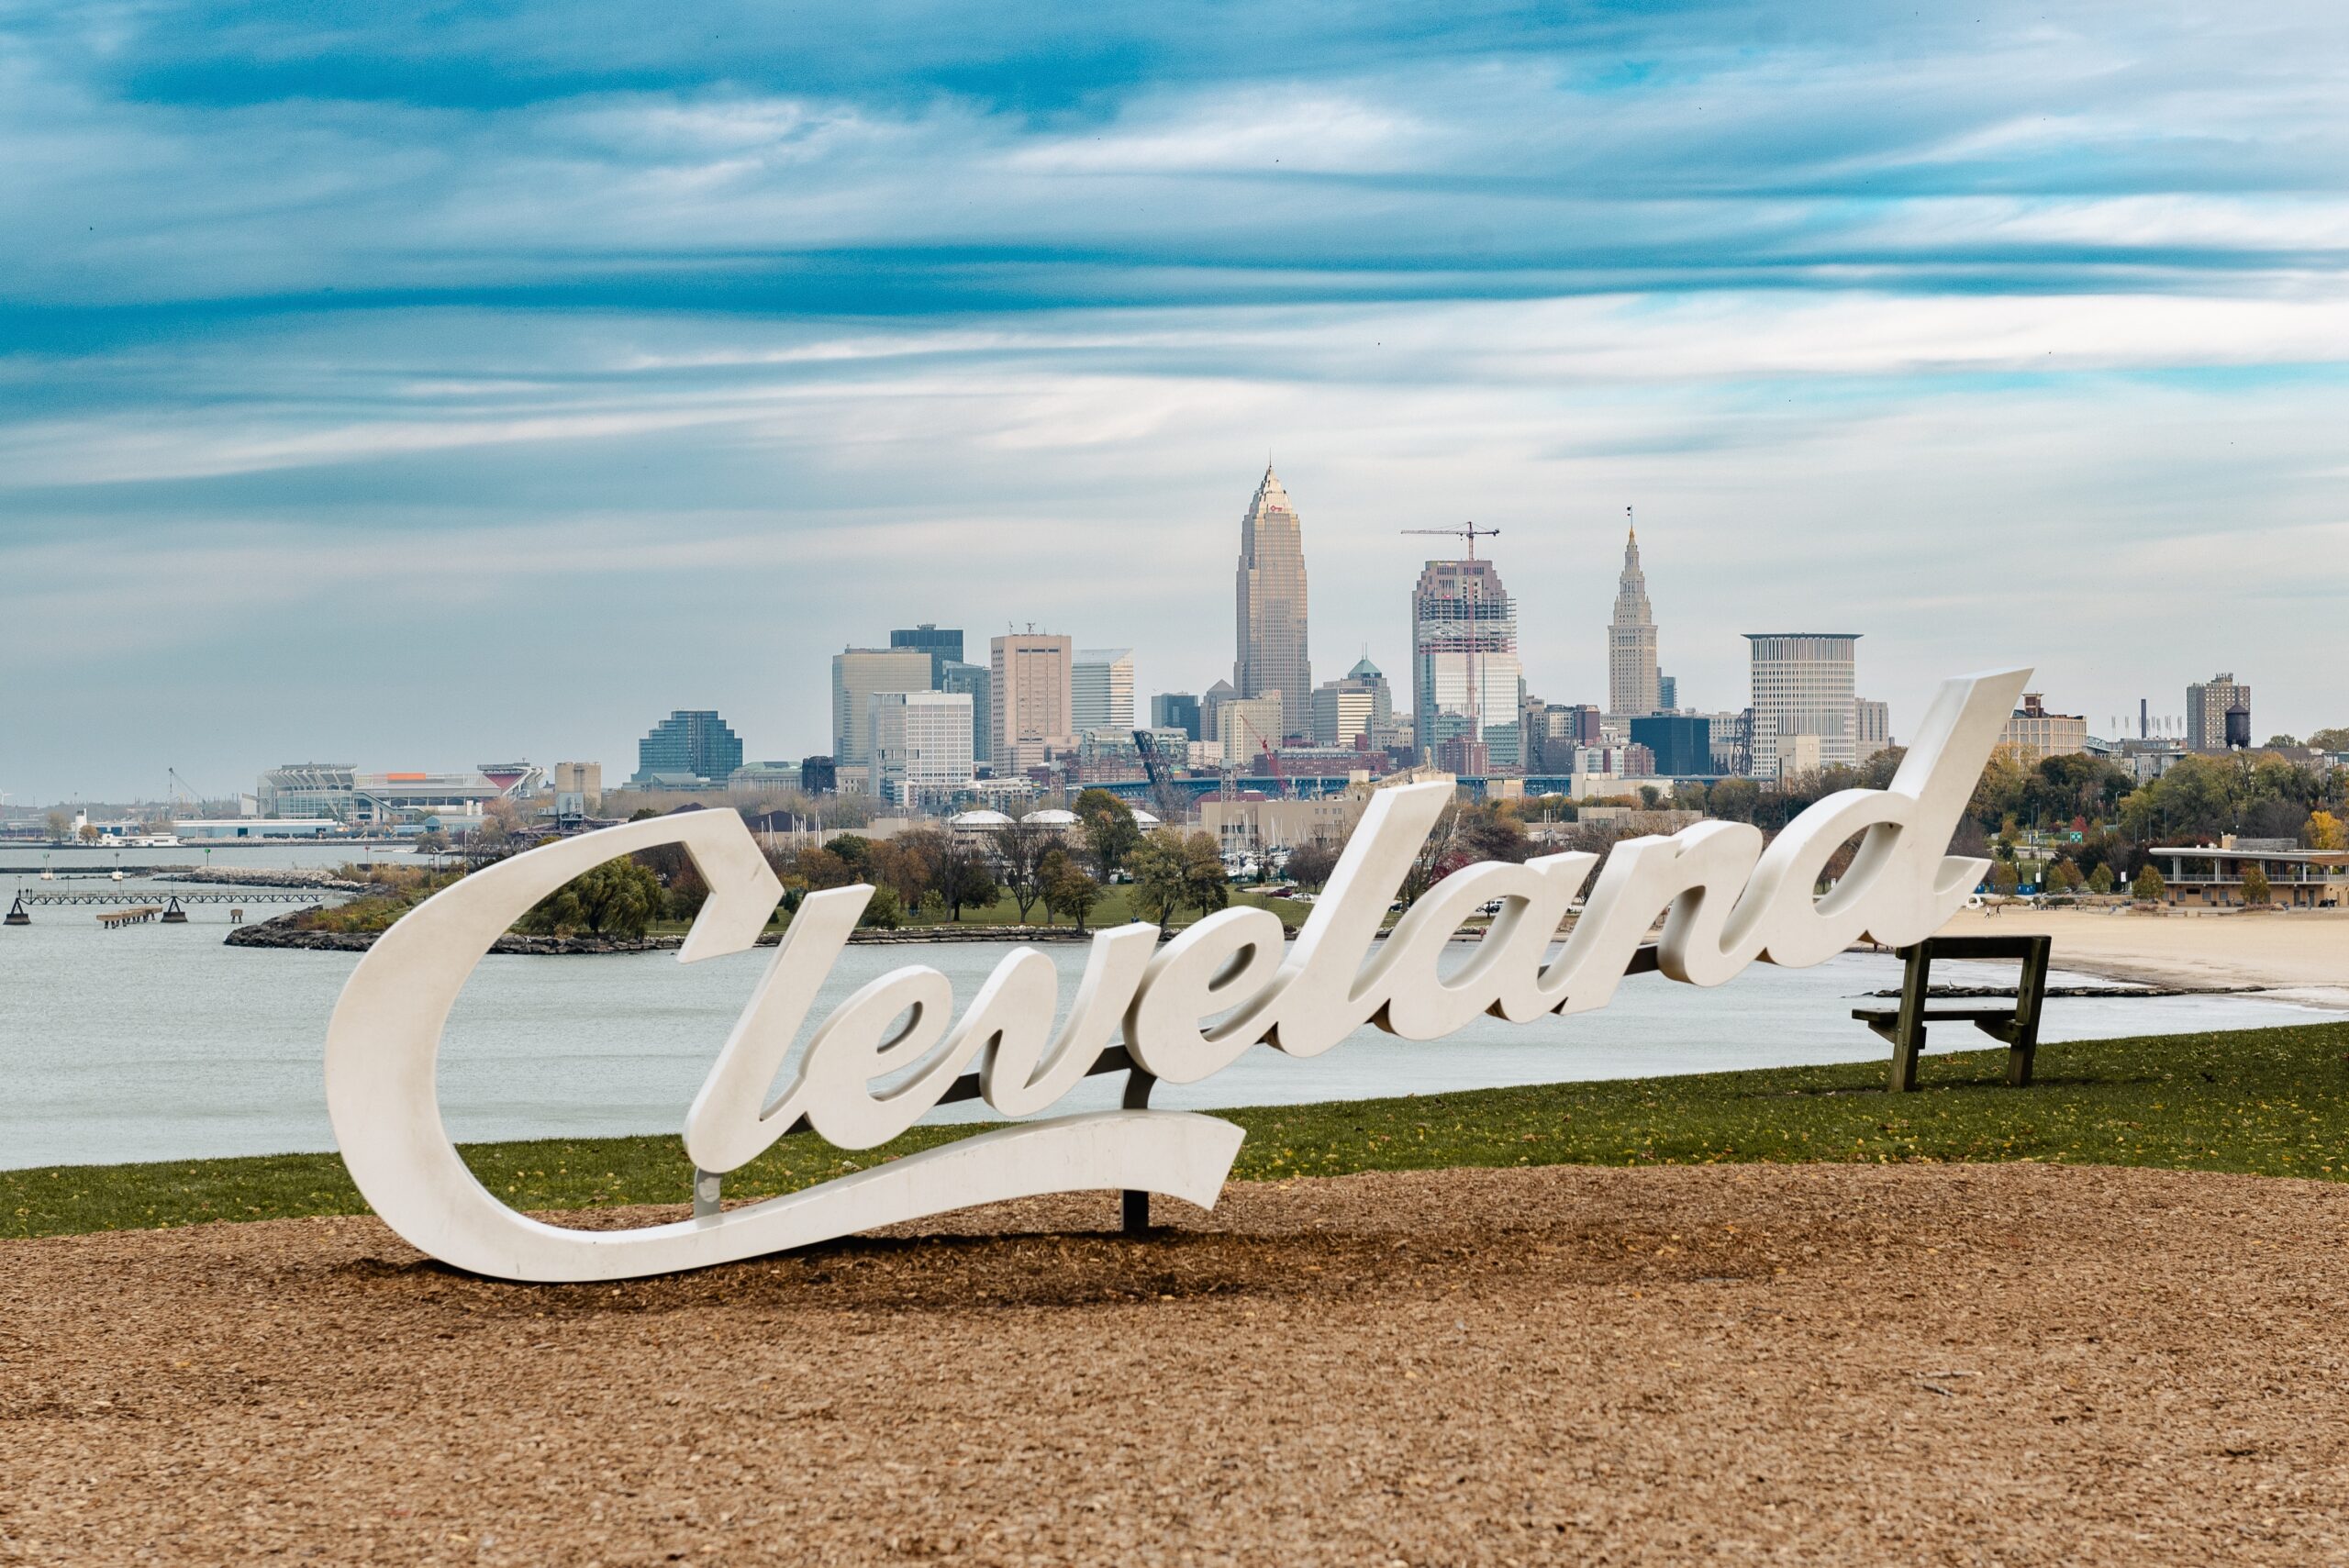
[[416, 392]]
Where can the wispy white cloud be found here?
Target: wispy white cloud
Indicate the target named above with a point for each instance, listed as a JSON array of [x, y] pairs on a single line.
[[546, 338]]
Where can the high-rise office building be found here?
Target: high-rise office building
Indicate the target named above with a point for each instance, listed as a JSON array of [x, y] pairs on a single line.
[[1802, 686], [1211, 704], [1271, 592], [975, 682], [1464, 661], [921, 746], [1177, 710], [1632, 683], [1101, 690], [1356, 708], [2206, 711], [689, 744], [1872, 728], [857, 673], [1249, 725], [1030, 676], [943, 644], [1667, 695], [1680, 744]]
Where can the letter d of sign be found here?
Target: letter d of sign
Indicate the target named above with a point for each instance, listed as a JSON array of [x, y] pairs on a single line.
[[1187, 1011]]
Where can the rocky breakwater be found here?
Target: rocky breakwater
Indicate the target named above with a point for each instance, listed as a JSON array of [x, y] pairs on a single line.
[[285, 931], [250, 876]]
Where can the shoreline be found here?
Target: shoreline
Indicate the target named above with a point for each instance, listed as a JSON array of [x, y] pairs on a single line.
[[2300, 957]]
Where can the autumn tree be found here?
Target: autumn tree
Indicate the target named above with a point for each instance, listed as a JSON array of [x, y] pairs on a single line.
[[1157, 867], [964, 877], [1110, 829], [2149, 886], [1020, 852], [1171, 870], [2100, 880], [1309, 865], [1067, 889], [2325, 832], [1734, 800], [2255, 885], [1204, 884]]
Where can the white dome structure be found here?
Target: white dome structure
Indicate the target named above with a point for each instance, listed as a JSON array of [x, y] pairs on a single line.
[[1051, 816], [980, 818]]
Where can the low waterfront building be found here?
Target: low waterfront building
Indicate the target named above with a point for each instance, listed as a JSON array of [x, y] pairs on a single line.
[[765, 775], [2212, 874], [216, 830], [1249, 827]]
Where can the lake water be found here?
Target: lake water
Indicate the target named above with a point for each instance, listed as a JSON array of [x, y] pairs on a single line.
[[159, 1042]]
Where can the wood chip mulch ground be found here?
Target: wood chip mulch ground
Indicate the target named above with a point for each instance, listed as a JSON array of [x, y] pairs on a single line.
[[1973, 1364]]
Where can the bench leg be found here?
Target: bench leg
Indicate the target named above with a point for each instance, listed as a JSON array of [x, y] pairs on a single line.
[[1908, 1032], [2030, 994]]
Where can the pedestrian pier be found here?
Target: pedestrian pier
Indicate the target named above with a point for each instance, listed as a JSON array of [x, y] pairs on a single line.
[[139, 915], [235, 895]]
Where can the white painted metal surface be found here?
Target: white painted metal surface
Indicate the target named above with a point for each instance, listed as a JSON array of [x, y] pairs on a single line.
[[1185, 1012]]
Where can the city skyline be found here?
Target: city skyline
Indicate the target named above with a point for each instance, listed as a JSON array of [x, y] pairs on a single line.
[[918, 653], [2002, 337]]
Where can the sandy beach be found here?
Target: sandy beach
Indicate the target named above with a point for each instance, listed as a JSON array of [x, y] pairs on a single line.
[[2304, 956], [1825, 1365]]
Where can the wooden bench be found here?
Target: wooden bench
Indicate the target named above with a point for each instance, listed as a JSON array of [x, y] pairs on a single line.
[[2019, 1026]]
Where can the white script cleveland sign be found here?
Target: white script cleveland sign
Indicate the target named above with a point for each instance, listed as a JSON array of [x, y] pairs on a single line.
[[1725, 900]]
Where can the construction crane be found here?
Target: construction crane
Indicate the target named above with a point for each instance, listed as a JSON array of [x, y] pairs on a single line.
[[1172, 805], [1472, 533], [1273, 766]]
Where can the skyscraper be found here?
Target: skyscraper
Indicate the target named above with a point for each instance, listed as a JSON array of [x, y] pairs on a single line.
[[943, 644], [1102, 690], [1356, 706], [857, 673], [1803, 684], [1030, 685], [921, 746], [2206, 711], [689, 743], [1872, 728], [1271, 592], [1632, 683], [977, 683], [1177, 710], [1464, 639]]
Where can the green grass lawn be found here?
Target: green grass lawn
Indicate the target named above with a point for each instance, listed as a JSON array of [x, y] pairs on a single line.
[[2268, 1102]]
